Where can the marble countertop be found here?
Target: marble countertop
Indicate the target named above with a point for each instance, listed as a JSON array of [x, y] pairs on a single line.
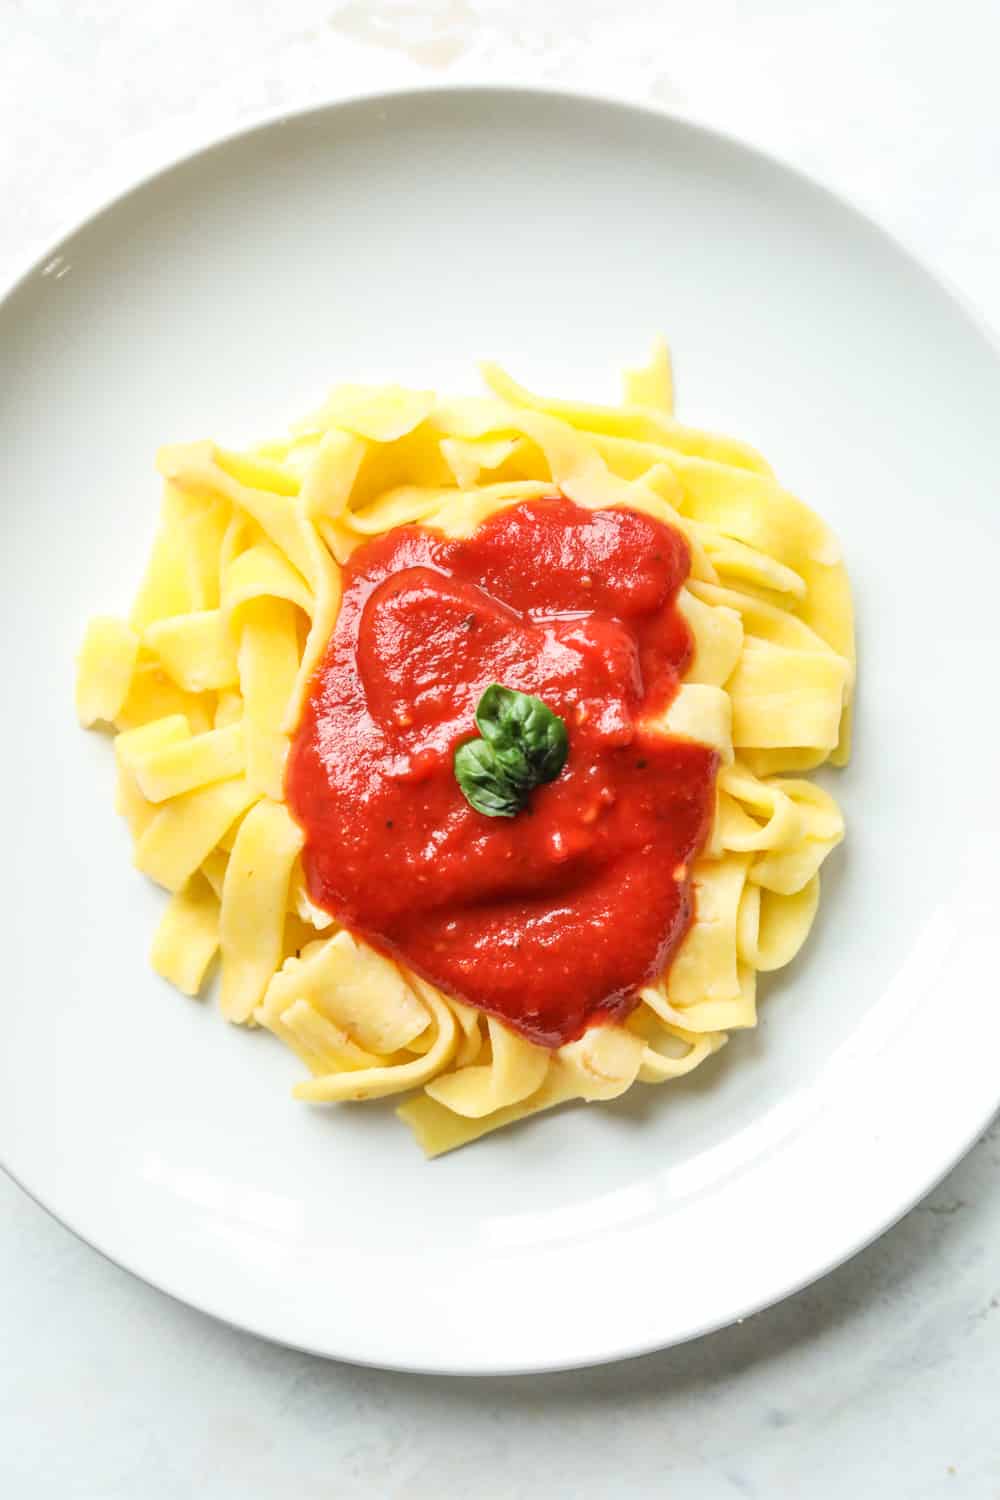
[[884, 1379]]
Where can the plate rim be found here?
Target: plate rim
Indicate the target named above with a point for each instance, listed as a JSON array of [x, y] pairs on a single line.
[[154, 155]]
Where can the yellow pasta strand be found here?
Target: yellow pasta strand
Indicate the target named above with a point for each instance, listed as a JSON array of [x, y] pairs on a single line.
[[105, 668], [382, 413], [772, 928], [268, 666], [379, 1082], [332, 472], [137, 811], [171, 770], [153, 695], [254, 896], [787, 870], [718, 640], [187, 938], [184, 832], [356, 988], [469, 458], [197, 650], [517, 1068], [166, 587], [652, 384], [673, 1048], [322, 1046], [704, 967], [630, 423], [601, 1065], [699, 712], [261, 572], [782, 696]]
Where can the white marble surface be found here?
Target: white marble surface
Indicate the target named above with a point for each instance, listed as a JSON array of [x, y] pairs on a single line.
[[885, 1378]]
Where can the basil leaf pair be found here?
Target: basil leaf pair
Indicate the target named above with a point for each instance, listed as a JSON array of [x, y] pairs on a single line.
[[523, 744]]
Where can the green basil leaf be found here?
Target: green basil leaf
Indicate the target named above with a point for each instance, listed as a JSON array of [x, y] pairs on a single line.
[[483, 782], [531, 738], [523, 744], [515, 765]]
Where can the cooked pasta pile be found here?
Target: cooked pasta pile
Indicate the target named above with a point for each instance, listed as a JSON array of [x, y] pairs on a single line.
[[204, 681]]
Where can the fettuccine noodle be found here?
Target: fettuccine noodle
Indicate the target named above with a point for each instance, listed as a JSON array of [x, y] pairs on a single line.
[[204, 681]]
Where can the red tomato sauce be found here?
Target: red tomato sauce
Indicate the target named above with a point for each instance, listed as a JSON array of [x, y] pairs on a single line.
[[553, 918]]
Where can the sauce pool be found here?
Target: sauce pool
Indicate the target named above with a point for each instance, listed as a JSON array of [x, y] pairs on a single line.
[[550, 920]]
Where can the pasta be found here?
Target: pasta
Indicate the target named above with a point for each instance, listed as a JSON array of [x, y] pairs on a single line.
[[204, 682]]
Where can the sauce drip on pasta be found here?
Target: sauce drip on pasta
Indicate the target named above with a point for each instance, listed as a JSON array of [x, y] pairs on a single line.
[[552, 919]]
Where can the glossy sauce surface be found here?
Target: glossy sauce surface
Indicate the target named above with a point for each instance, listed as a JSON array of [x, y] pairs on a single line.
[[551, 919]]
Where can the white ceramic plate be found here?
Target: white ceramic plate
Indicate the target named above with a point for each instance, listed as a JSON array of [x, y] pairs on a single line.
[[401, 238]]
